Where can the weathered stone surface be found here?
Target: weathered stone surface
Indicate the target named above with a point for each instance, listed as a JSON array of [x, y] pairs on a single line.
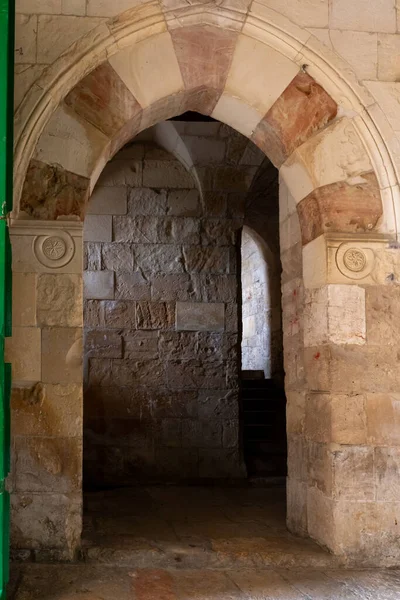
[[147, 201], [103, 343], [302, 109], [51, 521], [201, 434], [332, 208], [91, 99], [98, 285], [178, 345], [383, 419], [153, 315], [48, 464], [59, 300], [159, 258], [382, 313], [117, 257], [192, 374], [50, 192], [122, 173], [91, 256], [47, 410], [132, 372], [387, 469], [24, 299], [224, 462], [98, 228], [108, 201], [184, 203], [132, 286], [176, 286], [219, 288], [23, 351], [61, 355], [209, 259], [121, 313], [157, 174], [200, 316], [220, 232], [156, 230], [354, 473], [140, 345]]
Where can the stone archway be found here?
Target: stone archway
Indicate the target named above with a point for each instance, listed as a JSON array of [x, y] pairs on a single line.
[[268, 79]]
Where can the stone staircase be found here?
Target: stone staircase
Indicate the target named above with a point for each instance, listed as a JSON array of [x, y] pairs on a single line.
[[263, 408]]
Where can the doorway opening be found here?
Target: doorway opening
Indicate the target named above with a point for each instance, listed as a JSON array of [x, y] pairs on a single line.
[[169, 389]]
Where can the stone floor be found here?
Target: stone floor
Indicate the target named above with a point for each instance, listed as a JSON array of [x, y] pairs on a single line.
[[195, 527], [173, 543], [89, 582]]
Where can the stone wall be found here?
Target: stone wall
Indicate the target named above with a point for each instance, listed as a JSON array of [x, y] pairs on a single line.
[[162, 307]]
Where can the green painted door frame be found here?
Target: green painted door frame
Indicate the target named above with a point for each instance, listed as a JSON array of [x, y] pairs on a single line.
[[7, 16]]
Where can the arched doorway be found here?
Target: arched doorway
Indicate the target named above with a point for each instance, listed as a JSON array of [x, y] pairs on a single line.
[[335, 182]]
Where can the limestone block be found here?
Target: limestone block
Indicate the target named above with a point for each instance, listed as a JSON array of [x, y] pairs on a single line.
[[71, 142], [318, 417], [47, 410], [152, 315], [24, 299], [57, 33], [98, 285], [103, 343], [149, 69], [159, 258], [220, 232], [218, 404], [387, 95], [145, 201], [38, 6], [236, 113], [176, 286], [184, 203], [199, 434], [192, 374], [132, 286], [141, 345], [200, 316], [150, 373], [335, 313], [388, 62], [103, 8], [117, 257], [320, 461], [233, 179], [25, 41], [59, 300], [311, 13], [231, 317], [383, 311], [23, 352], [289, 232], [265, 63], [73, 7], [332, 155], [295, 412], [91, 256], [98, 228], [320, 517], [120, 313], [297, 458], [383, 419], [387, 469], [167, 174], [213, 260], [61, 355], [380, 16], [178, 345], [61, 512], [108, 201], [359, 49], [219, 288], [348, 419], [204, 151], [230, 434], [354, 473], [151, 229], [296, 506], [25, 75], [120, 173], [100, 375], [48, 464]]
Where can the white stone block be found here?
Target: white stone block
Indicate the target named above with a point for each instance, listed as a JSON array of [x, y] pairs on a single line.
[[387, 94], [25, 38], [359, 49], [98, 285], [108, 201], [97, 228], [361, 15], [336, 314], [57, 33], [200, 316]]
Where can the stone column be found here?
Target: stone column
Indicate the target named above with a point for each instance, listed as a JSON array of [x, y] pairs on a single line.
[[349, 427], [46, 356]]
